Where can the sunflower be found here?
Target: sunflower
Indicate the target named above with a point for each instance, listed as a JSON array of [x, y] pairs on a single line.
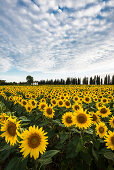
[[109, 139], [48, 111], [53, 102], [23, 102], [28, 108], [33, 103], [67, 119], [95, 117], [87, 99], [42, 105], [101, 129], [76, 107], [104, 100], [76, 99], [81, 119], [33, 142], [10, 130], [60, 103], [103, 111], [99, 105], [111, 122], [67, 104], [3, 118]]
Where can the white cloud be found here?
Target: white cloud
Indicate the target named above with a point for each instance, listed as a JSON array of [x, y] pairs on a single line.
[[74, 40]]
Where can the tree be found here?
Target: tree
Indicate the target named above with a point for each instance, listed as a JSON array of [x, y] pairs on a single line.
[[113, 80], [29, 79]]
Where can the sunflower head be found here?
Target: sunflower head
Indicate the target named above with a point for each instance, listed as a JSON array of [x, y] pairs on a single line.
[[95, 118], [48, 111], [81, 119], [101, 129], [3, 118], [111, 122], [33, 142], [10, 130], [67, 104], [67, 119], [103, 111], [109, 139]]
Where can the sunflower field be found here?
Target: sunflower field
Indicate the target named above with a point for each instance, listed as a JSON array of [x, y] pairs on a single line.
[[61, 127]]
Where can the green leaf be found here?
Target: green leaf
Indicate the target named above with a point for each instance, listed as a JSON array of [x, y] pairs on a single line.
[[24, 119], [109, 155], [94, 154], [49, 154], [16, 164], [58, 122]]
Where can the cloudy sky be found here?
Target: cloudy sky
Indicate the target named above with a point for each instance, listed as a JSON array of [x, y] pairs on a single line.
[[56, 38]]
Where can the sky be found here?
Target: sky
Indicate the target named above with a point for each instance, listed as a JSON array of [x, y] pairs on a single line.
[[50, 39]]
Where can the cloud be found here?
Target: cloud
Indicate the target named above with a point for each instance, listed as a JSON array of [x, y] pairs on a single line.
[[57, 37]]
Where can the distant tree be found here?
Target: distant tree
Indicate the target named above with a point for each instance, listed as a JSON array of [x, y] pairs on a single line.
[[101, 81], [29, 79], [106, 80], [79, 81], [112, 80], [91, 81], [68, 81]]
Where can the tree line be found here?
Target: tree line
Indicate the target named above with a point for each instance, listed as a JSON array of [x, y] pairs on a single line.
[[96, 80]]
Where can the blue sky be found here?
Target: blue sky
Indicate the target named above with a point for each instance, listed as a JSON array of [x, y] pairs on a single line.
[[56, 38]]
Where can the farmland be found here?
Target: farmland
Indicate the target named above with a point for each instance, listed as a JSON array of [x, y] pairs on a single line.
[[57, 127]]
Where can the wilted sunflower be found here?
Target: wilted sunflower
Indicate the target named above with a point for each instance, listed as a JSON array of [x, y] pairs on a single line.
[[101, 129], [10, 130], [33, 142], [111, 122], [48, 111], [67, 119], [3, 118], [95, 117], [109, 139], [103, 111], [81, 119]]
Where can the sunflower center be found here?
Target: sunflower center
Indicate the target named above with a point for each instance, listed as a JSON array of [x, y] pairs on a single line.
[[76, 98], [54, 102], [94, 117], [24, 103], [103, 110], [33, 103], [42, 107], [101, 129], [104, 100], [60, 102], [67, 103], [34, 141], [76, 107], [81, 118], [49, 111], [112, 140], [28, 108], [11, 128], [69, 119], [87, 99]]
